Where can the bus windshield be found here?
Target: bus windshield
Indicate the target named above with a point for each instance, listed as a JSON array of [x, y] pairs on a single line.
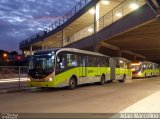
[[136, 67], [42, 65]]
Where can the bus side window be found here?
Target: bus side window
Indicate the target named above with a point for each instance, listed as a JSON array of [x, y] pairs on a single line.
[[144, 66], [117, 64], [122, 64], [93, 61], [98, 61], [129, 66], [72, 60], [81, 60], [61, 61], [125, 65], [107, 62], [88, 61], [103, 62]]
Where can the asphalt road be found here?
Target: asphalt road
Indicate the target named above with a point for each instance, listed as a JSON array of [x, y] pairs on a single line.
[[109, 98]]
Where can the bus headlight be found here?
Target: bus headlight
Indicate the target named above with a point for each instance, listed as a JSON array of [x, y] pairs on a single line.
[[28, 79], [50, 79], [139, 73]]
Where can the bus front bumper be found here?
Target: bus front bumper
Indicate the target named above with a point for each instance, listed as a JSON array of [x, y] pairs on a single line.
[[41, 84], [137, 75]]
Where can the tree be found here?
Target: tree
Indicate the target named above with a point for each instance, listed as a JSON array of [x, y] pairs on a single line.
[[1, 54], [13, 53]]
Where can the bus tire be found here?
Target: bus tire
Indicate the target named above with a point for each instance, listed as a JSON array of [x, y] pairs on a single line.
[[124, 79], [72, 83], [102, 80]]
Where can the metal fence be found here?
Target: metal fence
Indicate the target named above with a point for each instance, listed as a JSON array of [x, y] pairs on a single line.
[[13, 77]]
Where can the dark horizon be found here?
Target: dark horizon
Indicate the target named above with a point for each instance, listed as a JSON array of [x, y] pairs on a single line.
[[21, 19]]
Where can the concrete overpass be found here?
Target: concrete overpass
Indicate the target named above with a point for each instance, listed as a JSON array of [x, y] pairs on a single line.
[[125, 28]]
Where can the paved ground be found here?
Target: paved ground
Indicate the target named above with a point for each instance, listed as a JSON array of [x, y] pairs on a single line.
[[110, 98]]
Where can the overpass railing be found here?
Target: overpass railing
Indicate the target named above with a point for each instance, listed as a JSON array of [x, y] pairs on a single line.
[[13, 77], [57, 23], [117, 13]]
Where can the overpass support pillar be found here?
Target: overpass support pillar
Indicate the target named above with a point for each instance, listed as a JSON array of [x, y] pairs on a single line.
[[31, 50]]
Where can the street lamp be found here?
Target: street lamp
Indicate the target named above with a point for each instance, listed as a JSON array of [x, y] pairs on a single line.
[[5, 55]]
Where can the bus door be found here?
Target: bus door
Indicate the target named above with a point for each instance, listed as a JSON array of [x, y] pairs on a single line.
[[82, 71], [98, 66], [118, 69], [122, 68]]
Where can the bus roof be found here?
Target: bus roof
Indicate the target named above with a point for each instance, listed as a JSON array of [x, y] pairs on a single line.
[[121, 58], [57, 50], [46, 51], [146, 62]]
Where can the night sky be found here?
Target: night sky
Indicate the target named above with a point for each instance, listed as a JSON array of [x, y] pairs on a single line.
[[20, 19]]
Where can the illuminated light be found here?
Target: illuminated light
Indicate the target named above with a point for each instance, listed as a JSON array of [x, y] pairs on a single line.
[[105, 2], [134, 6], [92, 11], [139, 73], [52, 57], [4, 55], [121, 61], [90, 30], [118, 14], [134, 64], [18, 58], [50, 79], [133, 69], [28, 80]]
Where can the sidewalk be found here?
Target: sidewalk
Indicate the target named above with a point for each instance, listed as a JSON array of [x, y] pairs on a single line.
[[12, 80], [150, 104]]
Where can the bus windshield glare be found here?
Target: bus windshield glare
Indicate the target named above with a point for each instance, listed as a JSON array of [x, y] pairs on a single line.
[[41, 65], [136, 67]]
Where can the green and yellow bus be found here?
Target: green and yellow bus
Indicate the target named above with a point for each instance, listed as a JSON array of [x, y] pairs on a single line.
[[145, 69], [121, 69], [71, 67]]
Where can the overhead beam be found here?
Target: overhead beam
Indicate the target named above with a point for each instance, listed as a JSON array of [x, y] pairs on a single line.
[[113, 47], [135, 54]]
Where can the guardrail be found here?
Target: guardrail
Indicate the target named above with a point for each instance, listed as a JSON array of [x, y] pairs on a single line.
[[13, 77], [57, 23], [115, 14]]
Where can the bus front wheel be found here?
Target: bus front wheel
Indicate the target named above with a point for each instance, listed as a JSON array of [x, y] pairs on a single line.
[[103, 79], [72, 83]]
